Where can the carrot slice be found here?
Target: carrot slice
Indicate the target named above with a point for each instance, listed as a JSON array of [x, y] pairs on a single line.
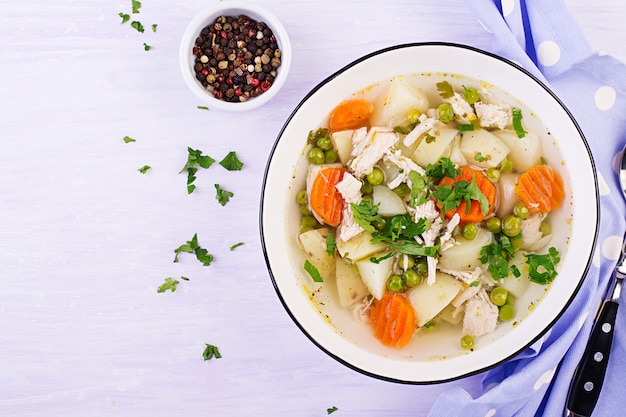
[[324, 199], [540, 189], [475, 214], [393, 320], [350, 114]]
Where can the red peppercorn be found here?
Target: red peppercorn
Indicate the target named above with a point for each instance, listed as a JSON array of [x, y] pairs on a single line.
[[229, 81], [237, 91], [254, 82], [265, 85], [205, 72], [217, 94], [223, 34]]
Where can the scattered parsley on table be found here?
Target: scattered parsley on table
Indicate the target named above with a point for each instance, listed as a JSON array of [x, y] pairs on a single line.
[[191, 246], [144, 169], [222, 195], [128, 139], [169, 284], [211, 352], [231, 162], [331, 410]]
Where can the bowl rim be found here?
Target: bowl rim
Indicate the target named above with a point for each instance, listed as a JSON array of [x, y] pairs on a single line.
[[231, 8], [542, 331]]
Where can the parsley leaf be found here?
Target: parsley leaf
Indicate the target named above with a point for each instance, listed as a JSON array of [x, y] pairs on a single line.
[[211, 352], [154, 27], [445, 89], [136, 6], [443, 168], [542, 268], [466, 127], [478, 157], [419, 188], [144, 169], [191, 246], [399, 233], [125, 17], [365, 213], [222, 195], [128, 139], [474, 193], [203, 107], [195, 159], [137, 25], [313, 272], [235, 246], [517, 123], [146, 47], [231, 162], [331, 244], [169, 284], [497, 256], [331, 410]]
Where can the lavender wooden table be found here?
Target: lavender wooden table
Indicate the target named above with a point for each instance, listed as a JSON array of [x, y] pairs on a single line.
[[86, 239]]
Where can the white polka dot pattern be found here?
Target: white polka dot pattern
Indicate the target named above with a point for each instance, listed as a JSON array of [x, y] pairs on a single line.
[[548, 53], [604, 97]]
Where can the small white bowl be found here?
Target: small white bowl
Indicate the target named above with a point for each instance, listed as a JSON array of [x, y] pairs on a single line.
[[235, 9]]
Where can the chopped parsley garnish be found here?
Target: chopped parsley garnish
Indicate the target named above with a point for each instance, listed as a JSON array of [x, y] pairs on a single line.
[[497, 256], [137, 26], [478, 157], [430, 138], [128, 139], [543, 267], [475, 284], [517, 123], [365, 213], [331, 244], [443, 168], [125, 17], [445, 89], [235, 246], [470, 94], [211, 352], [466, 127], [144, 169], [169, 285], [195, 159], [399, 233], [191, 246], [222, 195], [450, 197], [203, 107], [231, 162], [136, 5], [313, 272], [419, 188], [331, 410], [146, 47], [154, 27], [380, 259]]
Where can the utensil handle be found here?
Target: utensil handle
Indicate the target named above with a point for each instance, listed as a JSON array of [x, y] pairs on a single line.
[[589, 375]]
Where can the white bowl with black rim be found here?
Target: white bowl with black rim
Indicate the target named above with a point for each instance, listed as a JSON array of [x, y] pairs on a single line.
[[437, 357], [235, 8]]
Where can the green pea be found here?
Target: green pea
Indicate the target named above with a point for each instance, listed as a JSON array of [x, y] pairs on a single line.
[[469, 231], [493, 224], [304, 210], [493, 174], [510, 300], [308, 221], [316, 156], [366, 188], [376, 177], [330, 156], [520, 210], [506, 312], [378, 224], [516, 242], [396, 284], [445, 112], [402, 190], [421, 266], [413, 116], [506, 166], [406, 262], [470, 94], [467, 342], [301, 197], [411, 278], [498, 296], [324, 143], [511, 225], [545, 228]]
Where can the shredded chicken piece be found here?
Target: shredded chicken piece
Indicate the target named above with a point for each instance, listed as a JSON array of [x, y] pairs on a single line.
[[368, 150], [532, 238], [481, 315], [466, 276], [424, 126], [462, 109], [350, 189], [493, 115], [406, 165]]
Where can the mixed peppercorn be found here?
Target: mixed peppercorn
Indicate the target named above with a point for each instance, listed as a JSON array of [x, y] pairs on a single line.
[[237, 58]]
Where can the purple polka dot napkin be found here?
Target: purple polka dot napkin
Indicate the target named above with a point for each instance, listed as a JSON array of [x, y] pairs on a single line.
[[544, 38]]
